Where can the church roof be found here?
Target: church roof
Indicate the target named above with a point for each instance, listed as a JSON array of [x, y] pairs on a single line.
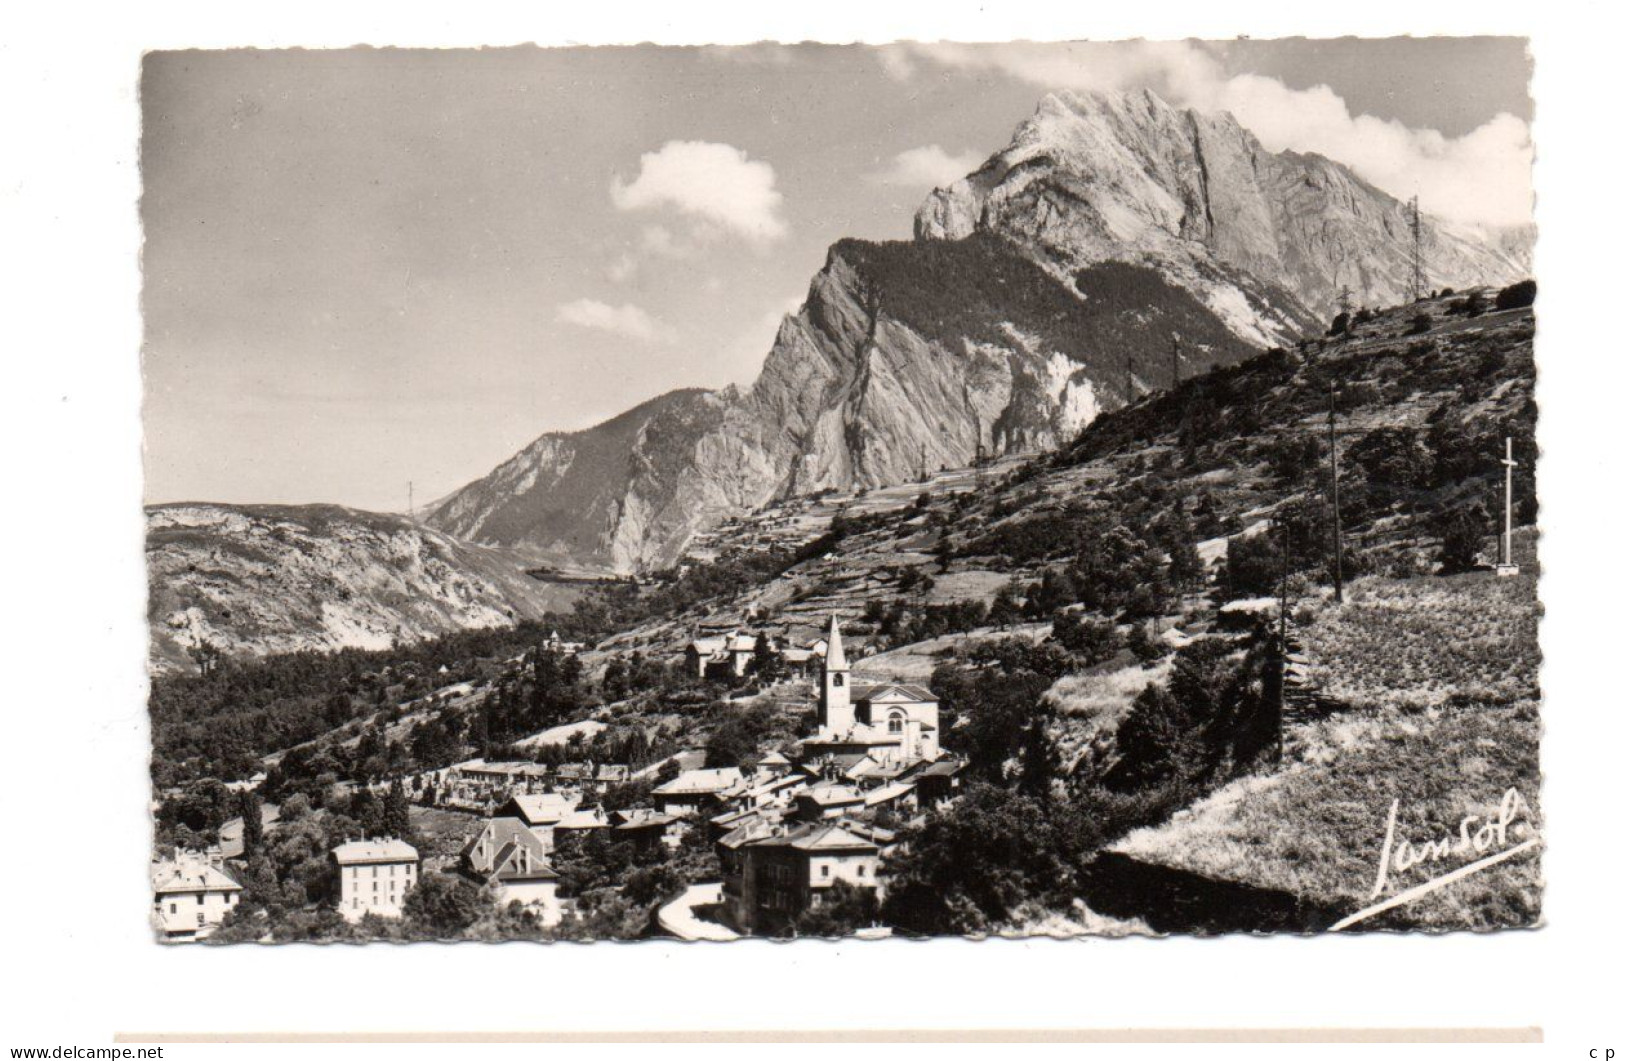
[[906, 692]]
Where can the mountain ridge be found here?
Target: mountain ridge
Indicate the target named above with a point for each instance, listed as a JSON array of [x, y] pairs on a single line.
[[249, 580]]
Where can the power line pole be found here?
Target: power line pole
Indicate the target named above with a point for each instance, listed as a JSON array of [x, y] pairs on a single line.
[[411, 503], [1128, 387], [1337, 507], [1176, 361], [1418, 273], [1280, 673]]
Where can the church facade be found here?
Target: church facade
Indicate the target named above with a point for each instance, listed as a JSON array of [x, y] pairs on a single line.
[[895, 723]]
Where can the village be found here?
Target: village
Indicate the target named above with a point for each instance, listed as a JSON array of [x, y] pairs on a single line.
[[810, 823]]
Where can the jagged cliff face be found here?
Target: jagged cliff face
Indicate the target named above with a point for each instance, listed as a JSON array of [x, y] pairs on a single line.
[[1116, 242], [1103, 175], [254, 580]]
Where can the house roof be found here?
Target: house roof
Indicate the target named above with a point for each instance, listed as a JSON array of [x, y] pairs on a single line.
[[500, 831], [522, 858], [643, 818], [587, 818], [831, 795], [815, 838], [887, 793], [387, 849], [540, 808], [748, 832], [702, 782], [186, 875], [941, 768], [830, 838]]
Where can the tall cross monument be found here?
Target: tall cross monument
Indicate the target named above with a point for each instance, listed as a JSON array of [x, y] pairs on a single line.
[[1504, 564]]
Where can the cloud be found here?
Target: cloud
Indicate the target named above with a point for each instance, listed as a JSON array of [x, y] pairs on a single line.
[[716, 186], [627, 320], [927, 167], [1482, 176]]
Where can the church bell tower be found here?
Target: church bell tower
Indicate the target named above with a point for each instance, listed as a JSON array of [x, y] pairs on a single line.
[[835, 715]]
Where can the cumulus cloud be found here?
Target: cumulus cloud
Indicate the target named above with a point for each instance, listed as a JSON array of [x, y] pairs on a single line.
[[927, 167], [628, 320], [717, 187], [1481, 176]]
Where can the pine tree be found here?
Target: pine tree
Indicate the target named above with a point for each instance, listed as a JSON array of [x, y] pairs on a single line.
[[397, 812], [248, 805]]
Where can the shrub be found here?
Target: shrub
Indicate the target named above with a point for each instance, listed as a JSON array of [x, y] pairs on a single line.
[[1462, 532], [1091, 640], [1516, 296]]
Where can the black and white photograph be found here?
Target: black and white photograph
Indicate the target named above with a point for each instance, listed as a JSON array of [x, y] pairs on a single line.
[[841, 491]]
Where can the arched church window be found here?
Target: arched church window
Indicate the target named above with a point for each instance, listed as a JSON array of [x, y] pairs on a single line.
[[894, 722], [840, 680]]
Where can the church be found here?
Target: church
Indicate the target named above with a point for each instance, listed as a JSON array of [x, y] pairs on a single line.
[[893, 723]]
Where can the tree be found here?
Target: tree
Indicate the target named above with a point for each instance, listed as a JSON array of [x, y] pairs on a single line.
[[766, 660], [441, 906], [1169, 731], [1005, 609], [1090, 639], [1253, 565], [397, 812], [840, 910], [969, 867], [735, 741], [248, 805]]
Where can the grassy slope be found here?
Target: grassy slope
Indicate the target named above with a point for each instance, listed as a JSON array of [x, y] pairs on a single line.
[[1438, 725]]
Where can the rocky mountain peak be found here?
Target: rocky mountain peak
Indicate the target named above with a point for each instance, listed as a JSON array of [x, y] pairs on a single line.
[[1097, 176]]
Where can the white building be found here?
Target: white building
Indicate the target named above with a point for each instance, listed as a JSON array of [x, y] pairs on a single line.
[[191, 895], [374, 876]]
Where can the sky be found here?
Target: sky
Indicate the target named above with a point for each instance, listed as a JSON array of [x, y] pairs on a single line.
[[367, 268]]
